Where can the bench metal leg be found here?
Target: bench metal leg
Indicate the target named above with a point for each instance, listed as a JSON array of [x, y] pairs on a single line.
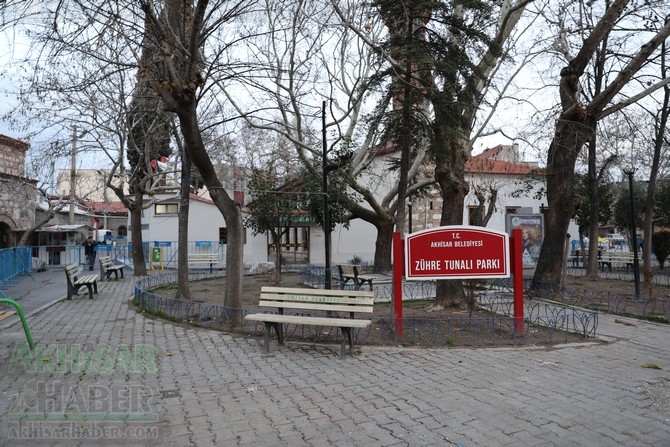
[[90, 291], [266, 342], [346, 335], [278, 330]]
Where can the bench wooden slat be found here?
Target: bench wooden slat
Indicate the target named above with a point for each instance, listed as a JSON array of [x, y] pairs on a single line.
[[6, 314], [281, 298], [315, 306], [313, 321], [362, 301], [287, 291], [203, 257]]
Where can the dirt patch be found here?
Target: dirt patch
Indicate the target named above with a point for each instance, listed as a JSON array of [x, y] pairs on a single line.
[[423, 325], [617, 286]]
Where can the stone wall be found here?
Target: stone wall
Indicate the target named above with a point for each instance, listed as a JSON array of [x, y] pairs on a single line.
[[17, 194], [12, 156]]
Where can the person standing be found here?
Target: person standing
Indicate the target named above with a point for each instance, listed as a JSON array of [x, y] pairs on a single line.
[[89, 251]]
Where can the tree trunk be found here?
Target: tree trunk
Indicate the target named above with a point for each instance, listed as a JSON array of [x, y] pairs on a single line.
[[451, 156], [25, 237], [450, 293], [571, 134], [183, 288], [231, 211], [592, 264], [659, 143], [383, 244], [139, 262]]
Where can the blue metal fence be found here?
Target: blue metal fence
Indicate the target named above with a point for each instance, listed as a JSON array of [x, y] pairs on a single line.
[[20, 259], [14, 262]]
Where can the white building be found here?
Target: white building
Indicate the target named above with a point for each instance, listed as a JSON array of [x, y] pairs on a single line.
[[518, 185]]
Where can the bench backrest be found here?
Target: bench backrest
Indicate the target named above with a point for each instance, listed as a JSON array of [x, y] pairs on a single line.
[[349, 269], [203, 256], [317, 299], [105, 260], [72, 272], [625, 255]]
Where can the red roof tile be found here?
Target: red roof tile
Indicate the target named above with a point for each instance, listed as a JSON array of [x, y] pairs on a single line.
[[114, 207]]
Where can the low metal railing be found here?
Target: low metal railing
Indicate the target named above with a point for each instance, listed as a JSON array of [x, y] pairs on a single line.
[[549, 323]]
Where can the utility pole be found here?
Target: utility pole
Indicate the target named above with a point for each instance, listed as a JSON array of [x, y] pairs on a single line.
[[326, 214], [73, 172]]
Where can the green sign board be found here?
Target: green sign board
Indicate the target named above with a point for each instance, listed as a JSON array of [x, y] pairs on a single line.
[[156, 254]]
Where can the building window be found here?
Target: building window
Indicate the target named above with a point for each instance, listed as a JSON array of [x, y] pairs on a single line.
[[167, 208]]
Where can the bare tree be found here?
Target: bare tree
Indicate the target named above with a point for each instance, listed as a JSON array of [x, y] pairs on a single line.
[[575, 127], [455, 51], [193, 41], [300, 69], [660, 143]]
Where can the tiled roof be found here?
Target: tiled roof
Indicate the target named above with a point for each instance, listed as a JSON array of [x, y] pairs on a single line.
[[488, 166], [14, 143], [114, 207], [487, 163]]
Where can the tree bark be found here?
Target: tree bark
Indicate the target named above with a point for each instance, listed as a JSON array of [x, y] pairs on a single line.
[[383, 244], [575, 127], [570, 136], [231, 211], [135, 210], [659, 142], [183, 288]]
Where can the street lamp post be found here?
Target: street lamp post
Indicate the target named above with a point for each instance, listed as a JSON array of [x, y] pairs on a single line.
[[636, 261], [327, 168]]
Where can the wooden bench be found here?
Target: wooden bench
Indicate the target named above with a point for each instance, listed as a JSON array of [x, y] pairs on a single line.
[[575, 259], [349, 272], [204, 258], [6, 314], [611, 258], [326, 304], [107, 267], [75, 282]]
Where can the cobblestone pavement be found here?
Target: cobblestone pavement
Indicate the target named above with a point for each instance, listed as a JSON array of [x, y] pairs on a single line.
[[104, 374]]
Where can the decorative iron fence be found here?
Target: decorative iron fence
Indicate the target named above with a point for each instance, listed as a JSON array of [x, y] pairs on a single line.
[[555, 323]]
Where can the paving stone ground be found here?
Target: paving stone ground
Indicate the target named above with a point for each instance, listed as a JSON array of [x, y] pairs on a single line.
[[104, 374]]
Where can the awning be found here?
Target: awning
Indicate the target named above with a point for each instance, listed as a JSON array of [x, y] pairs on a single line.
[[65, 228]]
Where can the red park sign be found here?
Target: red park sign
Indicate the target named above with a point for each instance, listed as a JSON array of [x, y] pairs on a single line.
[[457, 252]]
